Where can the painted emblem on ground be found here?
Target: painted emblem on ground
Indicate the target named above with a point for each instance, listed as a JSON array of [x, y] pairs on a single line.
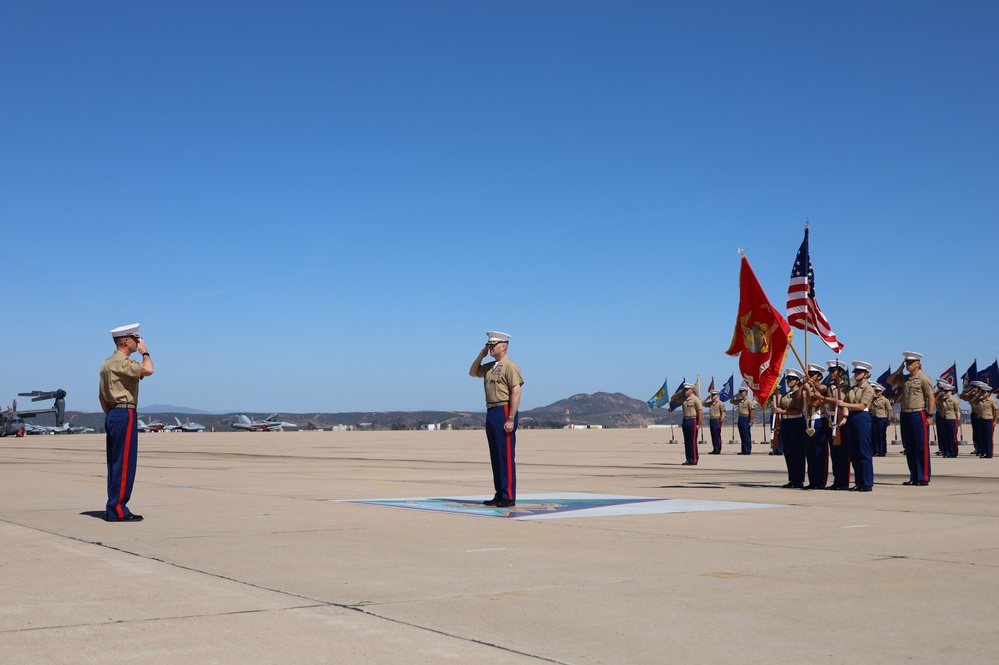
[[561, 505]]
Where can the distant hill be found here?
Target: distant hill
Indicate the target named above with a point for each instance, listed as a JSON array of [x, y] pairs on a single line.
[[168, 408], [604, 409]]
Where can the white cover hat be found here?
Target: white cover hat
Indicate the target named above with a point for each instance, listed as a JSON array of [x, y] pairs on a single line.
[[818, 369], [131, 330], [836, 363], [859, 365], [495, 337], [912, 355], [795, 374]]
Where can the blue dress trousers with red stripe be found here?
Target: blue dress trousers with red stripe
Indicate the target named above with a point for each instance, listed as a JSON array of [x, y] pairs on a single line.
[[122, 452], [502, 446]]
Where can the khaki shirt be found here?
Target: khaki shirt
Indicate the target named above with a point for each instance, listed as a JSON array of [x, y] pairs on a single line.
[[120, 376], [880, 406], [746, 406], [792, 403], [499, 378], [691, 406], [717, 410], [860, 395], [986, 407], [916, 391], [949, 407]]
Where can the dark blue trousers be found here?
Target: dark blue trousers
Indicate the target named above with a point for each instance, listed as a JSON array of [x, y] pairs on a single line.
[[947, 436], [715, 424], [915, 429], [988, 434], [976, 433], [501, 452], [840, 456], [817, 453], [857, 436], [689, 427], [792, 437], [879, 436], [746, 435], [122, 453]]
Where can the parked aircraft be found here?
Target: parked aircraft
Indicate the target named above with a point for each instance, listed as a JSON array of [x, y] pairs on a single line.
[[188, 426], [66, 428], [152, 426], [268, 424]]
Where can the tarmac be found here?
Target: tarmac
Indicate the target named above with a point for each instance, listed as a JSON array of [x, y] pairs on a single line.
[[251, 551]]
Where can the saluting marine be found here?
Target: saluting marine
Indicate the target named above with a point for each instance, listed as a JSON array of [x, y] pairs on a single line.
[[880, 418], [987, 408], [716, 416], [693, 413], [971, 394], [948, 419], [918, 403], [502, 381], [746, 405]]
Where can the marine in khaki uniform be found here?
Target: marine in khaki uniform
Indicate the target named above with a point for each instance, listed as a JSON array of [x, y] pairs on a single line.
[[502, 381], [987, 408], [839, 452], [880, 418], [918, 402], [745, 405], [716, 418], [790, 407], [693, 413], [816, 429], [118, 394], [948, 419], [856, 404]]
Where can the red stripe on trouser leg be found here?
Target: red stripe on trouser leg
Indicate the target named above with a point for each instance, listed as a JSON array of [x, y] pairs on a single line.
[[124, 464]]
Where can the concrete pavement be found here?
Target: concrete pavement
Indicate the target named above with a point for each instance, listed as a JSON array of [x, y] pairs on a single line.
[[245, 556]]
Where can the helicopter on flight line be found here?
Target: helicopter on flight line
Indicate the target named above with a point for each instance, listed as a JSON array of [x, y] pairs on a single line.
[[13, 423]]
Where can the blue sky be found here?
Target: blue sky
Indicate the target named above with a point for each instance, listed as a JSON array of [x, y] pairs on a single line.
[[322, 206]]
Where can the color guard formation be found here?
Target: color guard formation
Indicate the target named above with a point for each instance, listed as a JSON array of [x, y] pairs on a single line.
[[837, 418]]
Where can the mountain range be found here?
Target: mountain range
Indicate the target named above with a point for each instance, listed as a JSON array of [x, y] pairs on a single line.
[[602, 409]]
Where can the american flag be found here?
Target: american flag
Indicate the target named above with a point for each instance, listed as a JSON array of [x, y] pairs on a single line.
[[801, 304]]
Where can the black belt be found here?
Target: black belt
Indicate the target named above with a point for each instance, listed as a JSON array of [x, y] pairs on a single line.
[[124, 405]]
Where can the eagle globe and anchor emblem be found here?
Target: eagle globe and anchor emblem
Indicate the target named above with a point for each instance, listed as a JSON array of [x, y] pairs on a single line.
[[755, 334]]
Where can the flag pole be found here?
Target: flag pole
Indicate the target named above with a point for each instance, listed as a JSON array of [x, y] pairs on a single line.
[[804, 366]]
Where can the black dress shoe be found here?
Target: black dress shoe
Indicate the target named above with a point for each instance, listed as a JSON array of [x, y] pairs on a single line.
[[490, 502], [909, 482], [792, 486], [861, 488], [921, 483], [815, 487], [131, 517], [504, 503]]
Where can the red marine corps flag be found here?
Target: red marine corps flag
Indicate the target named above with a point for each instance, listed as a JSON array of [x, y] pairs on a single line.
[[761, 336]]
